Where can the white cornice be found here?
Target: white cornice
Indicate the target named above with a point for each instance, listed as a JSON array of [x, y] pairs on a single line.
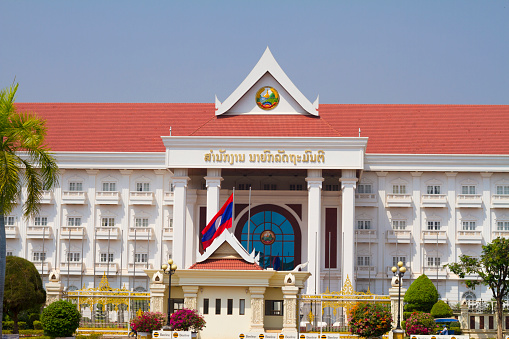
[[437, 162], [238, 143], [111, 160]]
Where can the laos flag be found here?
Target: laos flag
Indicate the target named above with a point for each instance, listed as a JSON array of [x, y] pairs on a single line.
[[221, 221]]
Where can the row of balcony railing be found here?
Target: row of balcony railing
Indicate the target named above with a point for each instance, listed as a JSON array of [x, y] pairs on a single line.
[[361, 199], [432, 200], [404, 236], [80, 232], [77, 268], [106, 198]]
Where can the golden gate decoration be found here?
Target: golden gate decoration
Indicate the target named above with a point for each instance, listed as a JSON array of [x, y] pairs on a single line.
[[106, 302]]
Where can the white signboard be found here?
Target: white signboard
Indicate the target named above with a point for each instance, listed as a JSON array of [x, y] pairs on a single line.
[[282, 153]]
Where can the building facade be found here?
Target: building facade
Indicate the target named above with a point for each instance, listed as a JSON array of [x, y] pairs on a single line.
[[349, 190]]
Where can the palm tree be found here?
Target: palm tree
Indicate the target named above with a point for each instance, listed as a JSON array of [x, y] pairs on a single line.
[[25, 161]]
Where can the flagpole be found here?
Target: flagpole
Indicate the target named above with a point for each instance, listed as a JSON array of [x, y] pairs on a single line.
[[249, 220], [233, 206]]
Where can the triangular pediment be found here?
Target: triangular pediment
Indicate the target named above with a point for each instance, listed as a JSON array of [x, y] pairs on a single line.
[[226, 246], [267, 74]]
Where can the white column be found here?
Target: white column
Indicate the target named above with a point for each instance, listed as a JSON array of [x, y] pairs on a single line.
[[191, 229], [314, 181], [125, 193], [180, 180], [348, 185], [213, 182], [159, 192], [418, 215], [451, 200], [486, 200]]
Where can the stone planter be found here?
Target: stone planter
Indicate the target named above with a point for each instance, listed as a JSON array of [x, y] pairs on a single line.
[[144, 335]]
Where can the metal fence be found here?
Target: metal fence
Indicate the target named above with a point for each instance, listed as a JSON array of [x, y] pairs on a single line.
[[107, 310]]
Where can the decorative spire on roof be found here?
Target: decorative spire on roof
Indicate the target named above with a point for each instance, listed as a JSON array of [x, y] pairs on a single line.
[[266, 90]]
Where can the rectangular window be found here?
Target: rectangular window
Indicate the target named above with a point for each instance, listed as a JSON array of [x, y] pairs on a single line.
[[433, 261], [73, 221], [503, 189], [398, 189], [468, 225], [364, 188], [105, 222], [142, 186], [141, 257], [229, 309], [467, 189], [363, 224], [363, 261], [242, 306], [433, 189], [218, 306], [9, 220], [38, 256], [41, 221], [295, 187], [481, 322], [330, 188], [141, 222], [395, 260], [8, 253], [269, 187], [106, 257], [490, 322], [76, 186], [502, 225], [273, 307], [433, 225], [109, 186], [73, 256], [399, 224], [205, 306]]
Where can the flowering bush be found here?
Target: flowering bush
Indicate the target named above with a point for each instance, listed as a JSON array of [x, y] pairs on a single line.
[[420, 323], [148, 322], [187, 320], [370, 319]]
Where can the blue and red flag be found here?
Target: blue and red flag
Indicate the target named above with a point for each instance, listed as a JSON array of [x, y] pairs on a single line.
[[221, 221]]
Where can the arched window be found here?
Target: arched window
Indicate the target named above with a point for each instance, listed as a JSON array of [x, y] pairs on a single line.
[[273, 233], [469, 295]]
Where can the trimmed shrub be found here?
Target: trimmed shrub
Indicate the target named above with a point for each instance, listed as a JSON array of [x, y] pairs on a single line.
[[457, 330], [60, 319], [406, 315], [421, 323], [8, 325], [37, 325], [421, 295], [441, 310], [370, 320], [22, 325]]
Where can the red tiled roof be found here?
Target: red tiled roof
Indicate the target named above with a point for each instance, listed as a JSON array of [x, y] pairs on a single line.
[[225, 264], [395, 129]]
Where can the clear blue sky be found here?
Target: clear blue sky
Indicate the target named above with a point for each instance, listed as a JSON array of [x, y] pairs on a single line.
[[397, 52]]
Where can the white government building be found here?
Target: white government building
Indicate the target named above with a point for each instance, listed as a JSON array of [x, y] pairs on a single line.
[[349, 189]]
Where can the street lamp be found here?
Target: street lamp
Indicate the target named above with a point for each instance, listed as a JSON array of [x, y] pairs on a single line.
[[398, 332], [170, 270]]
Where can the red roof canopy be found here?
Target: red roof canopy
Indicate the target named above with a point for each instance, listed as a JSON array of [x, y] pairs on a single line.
[[394, 129]]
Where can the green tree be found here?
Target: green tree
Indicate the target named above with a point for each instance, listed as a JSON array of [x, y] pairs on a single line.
[[24, 161], [60, 319], [421, 295], [23, 288], [441, 310], [491, 269]]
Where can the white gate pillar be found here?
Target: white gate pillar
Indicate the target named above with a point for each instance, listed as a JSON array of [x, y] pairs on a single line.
[[290, 292], [257, 308], [190, 297]]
